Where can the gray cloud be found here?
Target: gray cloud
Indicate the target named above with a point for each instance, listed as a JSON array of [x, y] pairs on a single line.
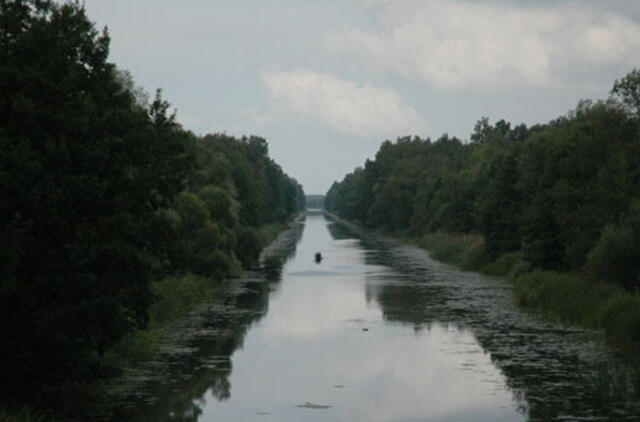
[[487, 46], [347, 74], [351, 107]]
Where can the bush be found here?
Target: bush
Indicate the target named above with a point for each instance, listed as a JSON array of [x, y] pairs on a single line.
[[193, 212], [222, 265], [448, 247], [616, 257], [567, 296], [519, 268], [212, 263], [177, 295], [174, 298], [208, 237], [219, 204], [135, 346], [620, 317], [475, 256], [248, 247], [503, 265]]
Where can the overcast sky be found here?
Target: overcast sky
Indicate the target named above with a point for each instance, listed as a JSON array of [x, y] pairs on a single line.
[[325, 82]]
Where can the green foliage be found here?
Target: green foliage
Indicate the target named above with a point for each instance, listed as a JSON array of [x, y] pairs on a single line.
[[475, 255], [561, 196], [219, 264], [505, 264], [135, 346], [593, 304], [454, 248], [548, 191], [174, 298], [621, 321], [83, 171], [269, 232], [219, 203], [248, 247], [101, 194], [627, 90], [192, 211], [566, 296], [616, 256]]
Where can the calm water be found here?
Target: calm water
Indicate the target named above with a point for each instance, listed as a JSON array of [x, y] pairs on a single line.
[[375, 332]]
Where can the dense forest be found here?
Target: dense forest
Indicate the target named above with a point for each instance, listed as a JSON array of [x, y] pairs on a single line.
[[566, 194], [557, 205], [103, 194]]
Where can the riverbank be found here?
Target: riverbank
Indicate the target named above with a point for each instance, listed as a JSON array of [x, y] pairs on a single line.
[[569, 298], [176, 297], [179, 299]]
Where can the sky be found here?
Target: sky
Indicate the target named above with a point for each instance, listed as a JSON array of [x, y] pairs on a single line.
[[325, 82]]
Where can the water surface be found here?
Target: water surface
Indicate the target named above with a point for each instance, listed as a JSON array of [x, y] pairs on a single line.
[[378, 331]]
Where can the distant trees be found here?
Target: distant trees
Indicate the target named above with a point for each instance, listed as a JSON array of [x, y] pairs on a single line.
[[101, 193], [315, 201], [561, 193]]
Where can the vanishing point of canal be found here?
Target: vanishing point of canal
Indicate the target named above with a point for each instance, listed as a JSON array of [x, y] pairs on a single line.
[[377, 331]]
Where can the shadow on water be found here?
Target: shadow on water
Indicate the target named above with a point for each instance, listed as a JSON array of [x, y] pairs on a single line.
[[554, 372], [197, 361]]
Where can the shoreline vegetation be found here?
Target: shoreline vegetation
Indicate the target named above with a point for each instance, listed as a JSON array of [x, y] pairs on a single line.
[[568, 298], [555, 206], [176, 297], [113, 217]]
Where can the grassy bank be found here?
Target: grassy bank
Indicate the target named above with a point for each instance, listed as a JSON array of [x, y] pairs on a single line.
[[176, 296], [269, 232], [569, 298]]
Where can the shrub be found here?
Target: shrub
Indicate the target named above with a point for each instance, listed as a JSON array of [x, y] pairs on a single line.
[[475, 256], [448, 247], [519, 268], [621, 320], [248, 247], [616, 257], [212, 263], [177, 295], [503, 265], [567, 296]]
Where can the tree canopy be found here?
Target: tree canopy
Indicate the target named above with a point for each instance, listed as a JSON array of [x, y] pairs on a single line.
[[557, 192], [101, 193]]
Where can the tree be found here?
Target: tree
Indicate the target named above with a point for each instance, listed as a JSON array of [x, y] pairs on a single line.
[[627, 91], [83, 171]]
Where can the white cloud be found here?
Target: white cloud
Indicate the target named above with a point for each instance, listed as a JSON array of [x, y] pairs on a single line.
[[359, 109], [460, 44]]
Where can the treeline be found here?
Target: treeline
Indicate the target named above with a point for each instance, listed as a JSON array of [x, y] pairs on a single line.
[[564, 195], [315, 201], [102, 193]]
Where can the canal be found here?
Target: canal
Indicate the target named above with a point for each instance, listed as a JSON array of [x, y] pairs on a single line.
[[375, 331]]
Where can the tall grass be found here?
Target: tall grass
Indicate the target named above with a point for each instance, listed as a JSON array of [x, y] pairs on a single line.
[[269, 232], [176, 296], [451, 248], [588, 303], [566, 297]]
